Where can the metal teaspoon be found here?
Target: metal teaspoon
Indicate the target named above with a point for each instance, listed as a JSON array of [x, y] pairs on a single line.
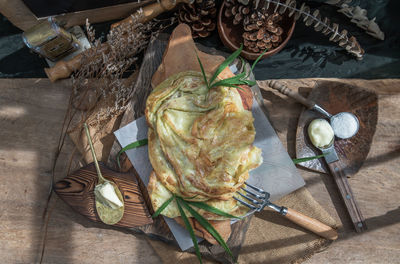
[[344, 124]]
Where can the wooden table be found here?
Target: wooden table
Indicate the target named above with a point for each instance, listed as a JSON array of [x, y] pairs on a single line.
[[31, 115]]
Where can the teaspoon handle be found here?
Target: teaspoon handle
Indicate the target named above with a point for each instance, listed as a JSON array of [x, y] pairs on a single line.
[[283, 89], [96, 163]]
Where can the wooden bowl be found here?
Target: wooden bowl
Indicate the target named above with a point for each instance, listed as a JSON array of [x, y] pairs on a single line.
[[231, 35]]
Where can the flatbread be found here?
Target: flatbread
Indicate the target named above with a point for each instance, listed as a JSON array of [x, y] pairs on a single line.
[[200, 144]]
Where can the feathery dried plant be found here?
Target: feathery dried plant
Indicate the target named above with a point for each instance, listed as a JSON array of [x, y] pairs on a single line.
[[319, 24], [99, 87], [358, 16]]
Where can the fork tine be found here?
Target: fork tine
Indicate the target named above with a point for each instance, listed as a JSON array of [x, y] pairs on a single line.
[[246, 204], [253, 194], [250, 199], [255, 188]]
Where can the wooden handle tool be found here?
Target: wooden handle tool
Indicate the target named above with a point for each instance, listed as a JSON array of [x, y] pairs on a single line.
[[283, 89], [343, 185], [311, 224], [347, 195], [63, 69], [151, 11]]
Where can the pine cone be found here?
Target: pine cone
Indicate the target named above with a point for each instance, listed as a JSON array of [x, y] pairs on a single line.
[[200, 16], [261, 29]]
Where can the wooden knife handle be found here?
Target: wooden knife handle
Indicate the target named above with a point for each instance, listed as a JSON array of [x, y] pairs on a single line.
[[149, 12], [347, 195], [283, 89], [311, 224]]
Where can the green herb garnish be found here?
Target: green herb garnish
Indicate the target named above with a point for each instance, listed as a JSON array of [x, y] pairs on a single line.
[[189, 228], [162, 207], [239, 79], [133, 145], [206, 225], [203, 222], [211, 209]]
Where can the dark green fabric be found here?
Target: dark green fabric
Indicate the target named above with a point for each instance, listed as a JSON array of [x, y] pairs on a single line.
[[307, 54]]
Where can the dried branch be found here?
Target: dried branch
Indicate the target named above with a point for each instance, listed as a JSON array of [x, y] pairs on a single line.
[[349, 43], [99, 79], [359, 17]]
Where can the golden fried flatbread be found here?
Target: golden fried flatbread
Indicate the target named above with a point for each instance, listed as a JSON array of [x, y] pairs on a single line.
[[200, 144]]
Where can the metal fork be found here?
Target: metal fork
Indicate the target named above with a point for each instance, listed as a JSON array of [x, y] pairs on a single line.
[[257, 199]]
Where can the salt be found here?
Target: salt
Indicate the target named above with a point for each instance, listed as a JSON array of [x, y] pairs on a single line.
[[345, 125]]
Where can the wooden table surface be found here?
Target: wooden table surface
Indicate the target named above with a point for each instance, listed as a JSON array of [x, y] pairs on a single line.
[[31, 115]]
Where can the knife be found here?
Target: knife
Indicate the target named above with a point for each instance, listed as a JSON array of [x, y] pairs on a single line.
[[340, 178]]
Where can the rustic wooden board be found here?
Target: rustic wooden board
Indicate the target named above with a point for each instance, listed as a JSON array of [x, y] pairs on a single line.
[[31, 115], [336, 97], [77, 190]]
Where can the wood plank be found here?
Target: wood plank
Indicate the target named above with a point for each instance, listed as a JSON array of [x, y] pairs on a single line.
[[31, 113]]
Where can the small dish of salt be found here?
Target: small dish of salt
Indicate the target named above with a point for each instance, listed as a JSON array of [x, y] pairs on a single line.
[[345, 125]]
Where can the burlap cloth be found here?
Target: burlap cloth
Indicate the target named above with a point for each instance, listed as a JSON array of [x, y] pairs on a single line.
[[271, 238]]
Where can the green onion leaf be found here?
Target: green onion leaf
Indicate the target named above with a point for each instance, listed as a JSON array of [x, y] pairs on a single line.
[[206, 225], [249, 83], [189, 228], [297, 161], [203, 72], [211, 209], [133, 145], [226, 63], [162, 207], [232, 80], [258, 58]]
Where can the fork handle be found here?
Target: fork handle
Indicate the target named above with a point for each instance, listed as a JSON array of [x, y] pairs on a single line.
[[311, 224]]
